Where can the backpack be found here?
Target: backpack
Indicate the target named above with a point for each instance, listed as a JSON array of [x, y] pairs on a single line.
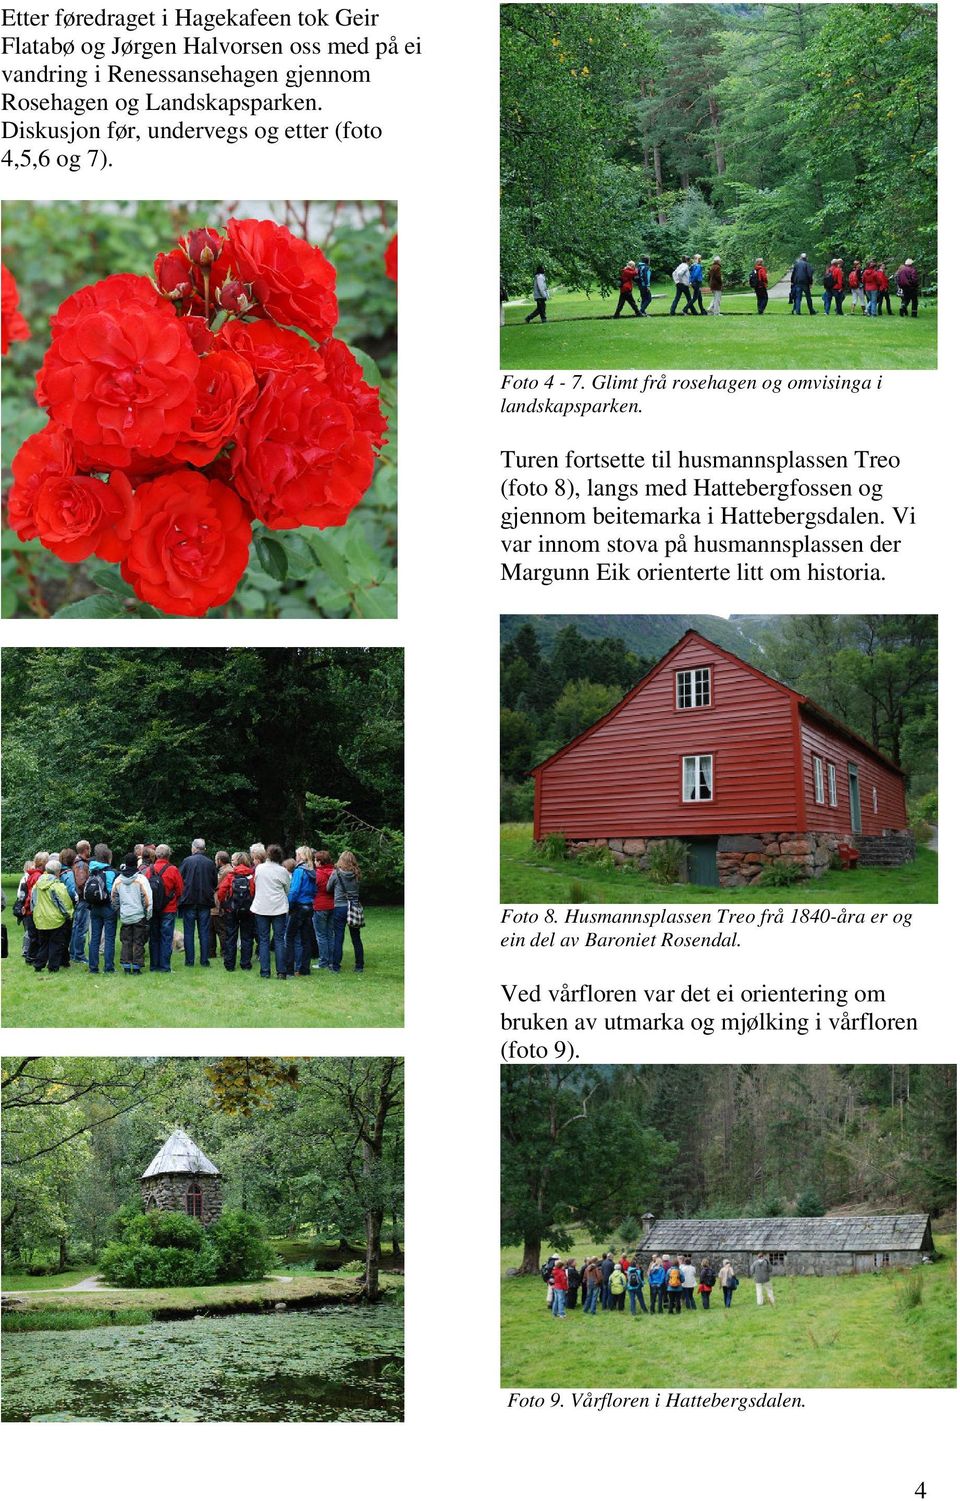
[[673, 1277], [754, 280], [95, 891], [709, 1277], [643, 276], [240, 899], [546, 1271], [157, 890], [633, 1278]]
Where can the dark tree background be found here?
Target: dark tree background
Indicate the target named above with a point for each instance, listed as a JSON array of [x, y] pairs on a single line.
[[597, 1147], [287, 744]]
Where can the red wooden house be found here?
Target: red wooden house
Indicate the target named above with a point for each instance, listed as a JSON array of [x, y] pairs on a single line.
[[743, 769]]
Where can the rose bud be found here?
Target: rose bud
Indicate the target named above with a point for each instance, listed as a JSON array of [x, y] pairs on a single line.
[[236, 297], [203, 246], [172, 276]]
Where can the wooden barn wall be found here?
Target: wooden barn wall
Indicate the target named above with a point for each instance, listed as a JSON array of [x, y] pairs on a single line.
[[818, 740], [623, 779]]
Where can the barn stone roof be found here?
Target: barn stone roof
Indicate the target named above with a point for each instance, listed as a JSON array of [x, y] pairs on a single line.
[[846, 1232], [180, 1155]]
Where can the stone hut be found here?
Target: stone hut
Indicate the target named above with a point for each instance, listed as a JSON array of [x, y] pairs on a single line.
[[823, 1247], [181, 1177]]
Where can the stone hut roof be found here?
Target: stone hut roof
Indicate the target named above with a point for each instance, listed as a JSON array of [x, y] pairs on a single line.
[[180, 1155], [845, 1232]]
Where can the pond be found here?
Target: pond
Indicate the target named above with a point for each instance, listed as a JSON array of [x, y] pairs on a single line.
[[316, 1366]]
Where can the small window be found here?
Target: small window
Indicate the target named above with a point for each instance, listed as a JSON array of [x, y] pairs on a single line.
[[875, 805], [776, 1257], [693, 688], [817, 780], [195, 1201], [832, 784], [881, 1258], [697, 779]]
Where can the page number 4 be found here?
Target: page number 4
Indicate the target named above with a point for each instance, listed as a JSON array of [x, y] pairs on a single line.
[[921, 1489]]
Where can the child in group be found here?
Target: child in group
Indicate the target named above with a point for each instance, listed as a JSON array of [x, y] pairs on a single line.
[[132, 899]]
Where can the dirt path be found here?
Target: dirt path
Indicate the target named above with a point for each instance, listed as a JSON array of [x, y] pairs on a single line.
[[96, 1285]]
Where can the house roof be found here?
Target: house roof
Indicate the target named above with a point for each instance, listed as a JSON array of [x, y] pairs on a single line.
[[807, 705], [181, 1155], [846, 1232]]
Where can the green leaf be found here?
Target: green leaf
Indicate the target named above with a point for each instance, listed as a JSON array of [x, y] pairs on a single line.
[[271, 556], [331, 560], [379, 603], [94, 607], [106, 578]]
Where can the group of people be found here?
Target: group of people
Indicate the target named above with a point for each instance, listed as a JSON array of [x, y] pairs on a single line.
[[868, 285], [606, 1281], [72, 905]]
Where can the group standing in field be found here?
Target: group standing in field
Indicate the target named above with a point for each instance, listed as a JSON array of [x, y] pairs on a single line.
[[867, 283], [605, 1283], [72, 906]]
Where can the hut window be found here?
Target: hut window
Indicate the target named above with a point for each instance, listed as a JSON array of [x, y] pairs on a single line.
[[693, 688], [777, 1257], [697, 779], [817, 780], [832, 784], [195, 1201], [882, 1258], [874, 799], [151, 1203]]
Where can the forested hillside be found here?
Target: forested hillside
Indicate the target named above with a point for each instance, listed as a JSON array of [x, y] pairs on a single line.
[[730, 130], [600, 1146]]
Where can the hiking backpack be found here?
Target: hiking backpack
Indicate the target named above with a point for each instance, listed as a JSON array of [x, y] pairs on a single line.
[[709, 1277], [674, 1280], [754, 280], [157, 890], [240, 898], [633, 1278], [95, 890]]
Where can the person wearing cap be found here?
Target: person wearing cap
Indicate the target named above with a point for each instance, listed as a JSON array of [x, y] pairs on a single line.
[[627, 278], [52, 917], [908, 285], [132, 900], [758, 281], [801, 280]]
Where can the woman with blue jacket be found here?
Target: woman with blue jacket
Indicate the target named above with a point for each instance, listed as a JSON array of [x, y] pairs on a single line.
[[303, 889], [656, 1281]]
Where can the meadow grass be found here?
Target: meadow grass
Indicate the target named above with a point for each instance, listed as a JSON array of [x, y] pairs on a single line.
[[824, 1332], [528, 876], [15, 1282], [581, 334], [211, 997]]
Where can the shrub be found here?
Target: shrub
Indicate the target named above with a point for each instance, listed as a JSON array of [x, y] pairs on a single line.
[[175, 1250], [628, 1232], [241, 1251], [597, 855], [552, 847], [781, 873], [140, 1264], [921, 831], [667, 861], [927, 808], [809, 1204], [516, 801]]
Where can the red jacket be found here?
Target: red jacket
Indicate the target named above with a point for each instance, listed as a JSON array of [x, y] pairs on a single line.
[[33, 877], [854, 280], [627, 278], [871, 279], [883, 280], [172, 880], [226, 885], [761, 273], [559, 1278], [838, 278], [323, 901]]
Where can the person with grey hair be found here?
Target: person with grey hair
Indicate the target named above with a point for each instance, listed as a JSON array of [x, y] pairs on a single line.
[[52, 917], [258, 853], [166, 888], [199, 886], [760, 1272]]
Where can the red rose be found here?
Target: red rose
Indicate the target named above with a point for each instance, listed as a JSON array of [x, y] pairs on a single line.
[[292, 281], [301, 458], [390, 259], [190, 544], [173, 275], [198, 331], [45, 455], [236, 297], [202, 246], [348, 385], [13, 325], [77, 515], [266, 348], [121, 373], [226, 386]]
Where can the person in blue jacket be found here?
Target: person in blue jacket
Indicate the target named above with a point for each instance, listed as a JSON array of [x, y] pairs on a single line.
[[303, 889], [643, 284], [696, 285], [635, 1285], [103, 916], [656, 1279]]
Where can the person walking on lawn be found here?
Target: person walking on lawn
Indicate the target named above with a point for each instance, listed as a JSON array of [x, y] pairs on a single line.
[[541, 293], [166, 890], [235, 899], [728, 1281], [344, 886], [52, 915], [103, 918], [199, 876], [303, 890], [635, 1285], [627, 278], [643, 282], [270, 908], [758, 281], [839, 286], [908, 285], [801, 281], [696, 285], [760, 1272], [132, 898], [323, 908], [855, 283], [81, 915], [883, 296], [681, 280], [715, 279]]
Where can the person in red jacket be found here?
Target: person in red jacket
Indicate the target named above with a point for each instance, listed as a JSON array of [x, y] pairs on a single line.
[[323, 907], [884, 294], [839, 287], [758, 281], [166, 883], [234, 898], [558, 1281], [871, 285], [855, 282], [627, 278]]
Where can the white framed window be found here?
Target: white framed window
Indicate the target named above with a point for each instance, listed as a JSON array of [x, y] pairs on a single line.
[[697, 779], [831, 784], [875, 801], [818, 779], [693, 688]]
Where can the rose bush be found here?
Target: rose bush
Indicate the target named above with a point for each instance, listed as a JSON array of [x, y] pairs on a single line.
[[193, 414]]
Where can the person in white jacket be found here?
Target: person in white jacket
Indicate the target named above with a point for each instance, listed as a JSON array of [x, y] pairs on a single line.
[[681, 280], [270, 906], [540, 295]]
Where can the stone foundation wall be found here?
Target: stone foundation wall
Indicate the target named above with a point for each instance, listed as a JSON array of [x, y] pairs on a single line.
[[887, 850], [742, 857], [169, 1191]]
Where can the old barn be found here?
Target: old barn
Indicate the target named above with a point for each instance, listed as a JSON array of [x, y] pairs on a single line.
[[822, 1247], [743, 769]]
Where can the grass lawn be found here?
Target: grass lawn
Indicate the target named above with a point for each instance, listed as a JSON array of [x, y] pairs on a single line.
[[526, 876], [15, 1282], [210, 997], [823, 1332], [580, 334]]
